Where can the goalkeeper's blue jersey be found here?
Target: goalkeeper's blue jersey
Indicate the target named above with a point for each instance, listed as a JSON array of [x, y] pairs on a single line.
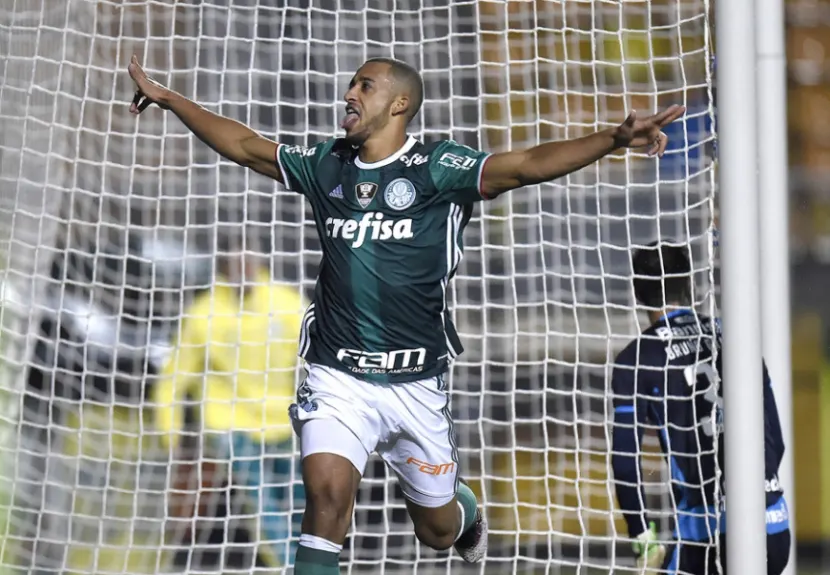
[[667, 381]]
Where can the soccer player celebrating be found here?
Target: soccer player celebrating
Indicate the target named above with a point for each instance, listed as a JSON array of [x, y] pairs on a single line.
[[378, 337], [667, 380]]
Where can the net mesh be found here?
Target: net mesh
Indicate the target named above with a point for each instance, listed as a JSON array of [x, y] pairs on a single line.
[[106, 226]]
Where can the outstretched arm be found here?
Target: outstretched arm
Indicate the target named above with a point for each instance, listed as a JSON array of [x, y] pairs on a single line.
[[510, 170], [630, 416], [227, 137], [775, 446], [627, 437]]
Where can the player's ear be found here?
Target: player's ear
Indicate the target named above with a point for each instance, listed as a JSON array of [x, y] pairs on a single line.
[[400, 105]]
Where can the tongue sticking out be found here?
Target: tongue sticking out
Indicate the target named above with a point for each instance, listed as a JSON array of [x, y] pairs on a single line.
[[349, 121]]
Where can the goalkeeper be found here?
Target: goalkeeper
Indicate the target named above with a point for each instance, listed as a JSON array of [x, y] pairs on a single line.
[[237, 358], [667, 379], [378, 338]]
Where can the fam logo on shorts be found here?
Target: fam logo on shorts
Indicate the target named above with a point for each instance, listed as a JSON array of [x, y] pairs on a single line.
[[399, 194], [365, 192]]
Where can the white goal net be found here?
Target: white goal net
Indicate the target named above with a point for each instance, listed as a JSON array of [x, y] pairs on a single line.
[[106, 227]]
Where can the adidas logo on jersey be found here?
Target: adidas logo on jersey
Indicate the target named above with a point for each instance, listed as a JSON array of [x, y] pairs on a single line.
[[337, 193], [371, 226]]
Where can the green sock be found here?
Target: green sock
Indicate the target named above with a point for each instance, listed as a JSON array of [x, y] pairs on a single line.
[[467, 500], [316, 562]]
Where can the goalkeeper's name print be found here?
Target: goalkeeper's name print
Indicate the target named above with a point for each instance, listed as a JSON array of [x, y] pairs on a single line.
[[684, 340], [371, 226], [689, 346], [377, 362], [680, 331]]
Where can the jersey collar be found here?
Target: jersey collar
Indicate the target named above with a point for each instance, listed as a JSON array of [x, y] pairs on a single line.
[[410, 141], [675, 313]]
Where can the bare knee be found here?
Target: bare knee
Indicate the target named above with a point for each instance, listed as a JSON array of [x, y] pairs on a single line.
[[330, 485], [435, 537], [435, 527]]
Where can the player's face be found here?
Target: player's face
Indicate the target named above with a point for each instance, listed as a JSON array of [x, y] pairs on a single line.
[[368, 102]]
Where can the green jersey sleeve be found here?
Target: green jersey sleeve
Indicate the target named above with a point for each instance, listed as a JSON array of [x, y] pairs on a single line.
[[456, 172], [299, 166]]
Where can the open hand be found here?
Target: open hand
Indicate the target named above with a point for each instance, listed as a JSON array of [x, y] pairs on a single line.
[[147, 91], [650, 552], [634, 133]]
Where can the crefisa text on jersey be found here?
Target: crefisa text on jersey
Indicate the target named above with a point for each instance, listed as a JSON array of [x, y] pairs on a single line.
[[687, 339], [358, 231]]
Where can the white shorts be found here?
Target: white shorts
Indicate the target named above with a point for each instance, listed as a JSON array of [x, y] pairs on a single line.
[[408, 424]]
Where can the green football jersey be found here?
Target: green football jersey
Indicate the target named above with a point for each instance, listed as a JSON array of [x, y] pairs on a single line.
[[391, 239]]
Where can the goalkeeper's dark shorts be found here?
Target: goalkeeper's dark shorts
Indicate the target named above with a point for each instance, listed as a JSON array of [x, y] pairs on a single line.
[[702, 558]]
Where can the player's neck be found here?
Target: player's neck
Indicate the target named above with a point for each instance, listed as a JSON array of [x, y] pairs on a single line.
[[671, 308], [381, 145]]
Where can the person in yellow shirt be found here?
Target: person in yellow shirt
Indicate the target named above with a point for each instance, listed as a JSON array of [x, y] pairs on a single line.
[[236, 360]]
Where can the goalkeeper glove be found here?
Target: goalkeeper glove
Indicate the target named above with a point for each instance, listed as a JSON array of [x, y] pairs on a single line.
[[650, 552]]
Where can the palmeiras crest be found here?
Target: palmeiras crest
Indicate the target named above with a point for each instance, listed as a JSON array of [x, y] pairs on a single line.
[[399, 194], [365, 192]]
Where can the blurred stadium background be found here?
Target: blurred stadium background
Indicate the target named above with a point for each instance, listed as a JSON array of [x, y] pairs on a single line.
[[93, 208]]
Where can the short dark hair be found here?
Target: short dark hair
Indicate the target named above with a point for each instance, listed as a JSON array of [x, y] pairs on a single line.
[[410, 78], [662, 274]]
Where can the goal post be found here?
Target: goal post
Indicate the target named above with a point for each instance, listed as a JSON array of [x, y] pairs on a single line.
[[773, 199], [738, 133], [107, 225]]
